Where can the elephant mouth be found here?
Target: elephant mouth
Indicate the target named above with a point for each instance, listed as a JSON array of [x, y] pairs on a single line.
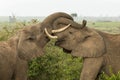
[[58, 42], [67, 51], [61, 41]]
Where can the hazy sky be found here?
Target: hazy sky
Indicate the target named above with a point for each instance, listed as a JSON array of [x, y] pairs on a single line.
[[46, 7]]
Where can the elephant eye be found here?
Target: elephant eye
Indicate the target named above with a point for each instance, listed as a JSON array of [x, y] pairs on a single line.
[[31, 38]]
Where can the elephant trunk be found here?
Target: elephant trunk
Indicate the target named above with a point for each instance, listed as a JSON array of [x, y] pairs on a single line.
[[66, 21], [53, 21], [51, 18]]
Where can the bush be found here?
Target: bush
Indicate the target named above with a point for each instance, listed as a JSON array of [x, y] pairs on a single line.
[[55, 65], [112, 77]]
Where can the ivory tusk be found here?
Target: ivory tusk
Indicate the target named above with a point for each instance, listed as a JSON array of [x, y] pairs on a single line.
[[61, 29], [49, 35]]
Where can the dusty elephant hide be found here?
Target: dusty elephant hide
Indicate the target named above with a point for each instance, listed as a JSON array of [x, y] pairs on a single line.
[[100, 50], [26, 45], [18, 50]]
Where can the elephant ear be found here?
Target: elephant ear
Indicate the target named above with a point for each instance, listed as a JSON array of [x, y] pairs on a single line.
[[92, 46]]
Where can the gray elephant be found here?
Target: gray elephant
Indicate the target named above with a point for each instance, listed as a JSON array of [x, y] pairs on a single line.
[[100, 50], [18, 50]]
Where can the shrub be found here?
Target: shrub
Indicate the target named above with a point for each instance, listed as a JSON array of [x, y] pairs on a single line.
[[55, 65], [103, 76]]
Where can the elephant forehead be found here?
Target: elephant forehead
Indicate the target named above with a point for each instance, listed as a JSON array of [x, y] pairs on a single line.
[[32, 29]]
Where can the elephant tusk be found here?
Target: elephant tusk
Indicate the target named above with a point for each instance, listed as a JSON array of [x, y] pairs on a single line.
[[61, 29], [49, 35]]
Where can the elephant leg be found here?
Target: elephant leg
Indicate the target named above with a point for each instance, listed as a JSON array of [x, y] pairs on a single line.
[[91, 68], [21, 70]]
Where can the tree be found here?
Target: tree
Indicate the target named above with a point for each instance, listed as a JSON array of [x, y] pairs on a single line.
[[74, 14]]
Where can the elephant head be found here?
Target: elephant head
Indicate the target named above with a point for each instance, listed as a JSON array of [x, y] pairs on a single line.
[[29, 42], [77, 39]]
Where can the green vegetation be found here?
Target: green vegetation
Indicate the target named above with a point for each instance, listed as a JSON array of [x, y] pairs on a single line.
[[112, 27], [55, 64]]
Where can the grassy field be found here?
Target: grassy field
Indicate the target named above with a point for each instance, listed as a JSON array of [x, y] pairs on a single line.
[[55, 64], [111, 27]]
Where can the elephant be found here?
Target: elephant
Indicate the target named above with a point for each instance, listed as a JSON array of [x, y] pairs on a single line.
[[27, 44], [15, 53], [100, 50]]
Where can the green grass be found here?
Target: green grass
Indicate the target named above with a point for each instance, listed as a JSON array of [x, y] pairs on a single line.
[[111, 27]]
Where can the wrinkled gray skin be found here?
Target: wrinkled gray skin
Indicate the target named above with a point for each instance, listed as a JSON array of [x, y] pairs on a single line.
[[18, 50], [100, 50]]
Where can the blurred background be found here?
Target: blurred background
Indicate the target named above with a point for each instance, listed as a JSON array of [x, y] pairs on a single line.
[[94, 10]]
